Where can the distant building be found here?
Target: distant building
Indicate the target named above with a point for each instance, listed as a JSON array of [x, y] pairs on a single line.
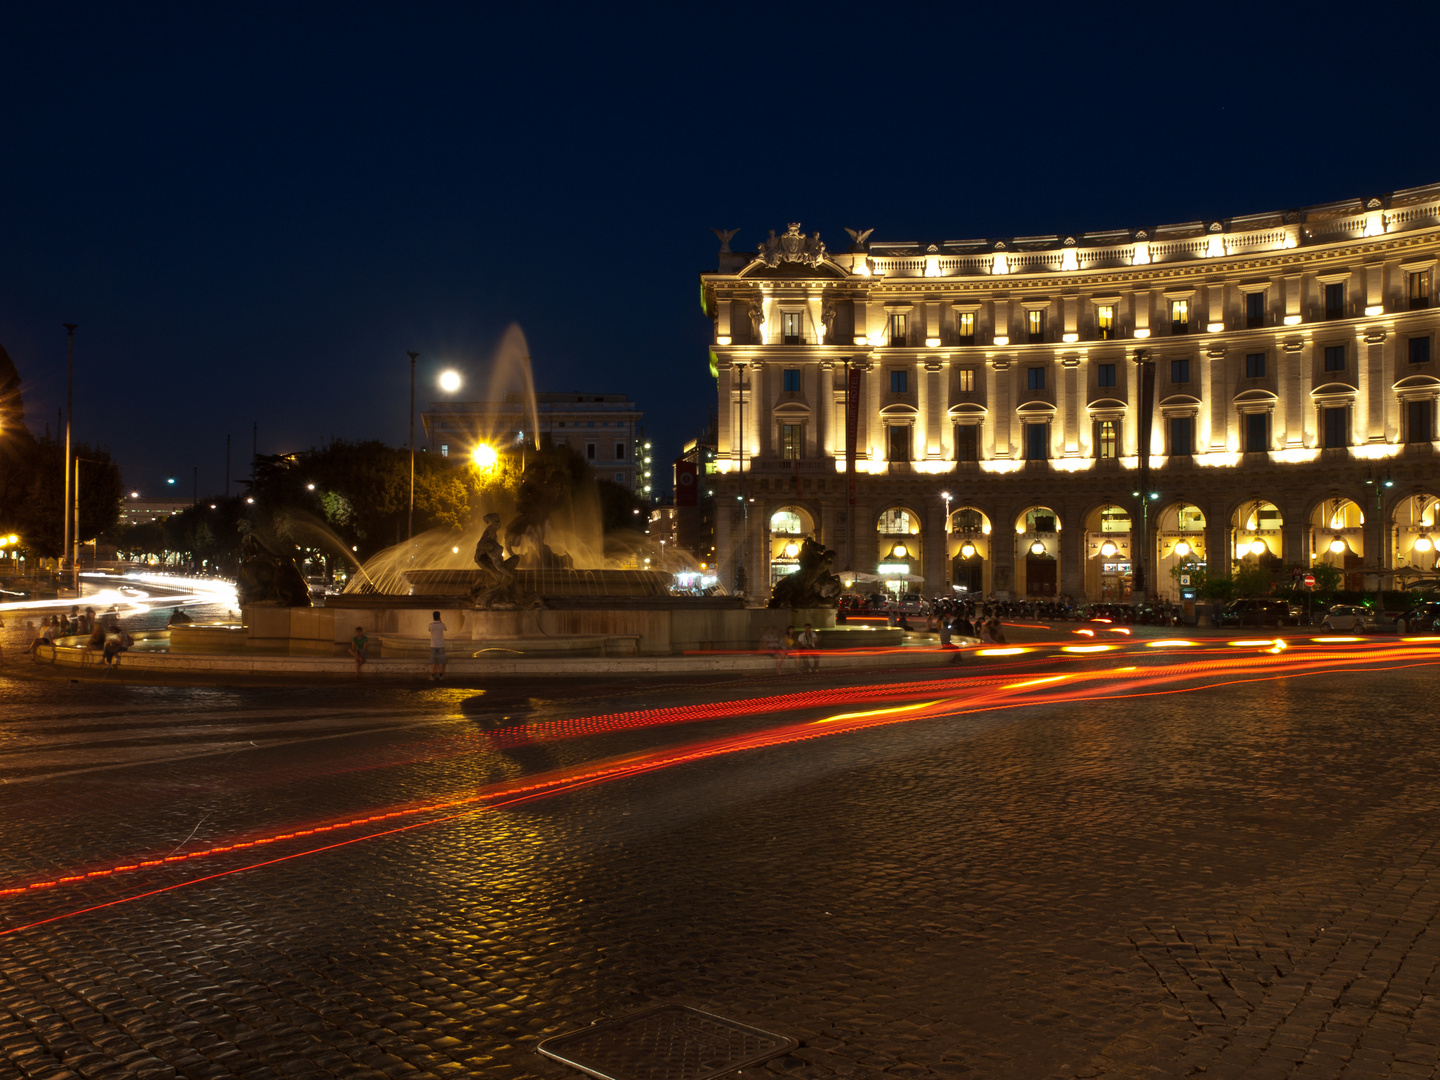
[[137, 511], [603, 428], [694, 508]]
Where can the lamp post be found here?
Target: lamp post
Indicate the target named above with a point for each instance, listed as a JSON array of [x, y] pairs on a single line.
[[1380, 530], [949, 570], [410, 521], [741, 584], [1138, 583], [69, 411]]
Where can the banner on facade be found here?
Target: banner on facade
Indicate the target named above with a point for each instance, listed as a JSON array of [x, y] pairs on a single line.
[[852, 426], [687, 483]]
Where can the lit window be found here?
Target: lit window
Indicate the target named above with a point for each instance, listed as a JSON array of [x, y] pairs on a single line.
[[792, 441], [790, 327], [967, 380], [1105, 321], [792, 380], [1334, 357], [899, 382], [1419, 283], [1179, 371], [444, 449], [1105, 374], [1255, 365], [1035, 324], [1036, 377], [1107, 438], [965, 327], [1179, 316], [897, 331]]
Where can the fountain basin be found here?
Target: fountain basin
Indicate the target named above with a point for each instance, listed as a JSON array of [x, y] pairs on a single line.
[[546, 583]]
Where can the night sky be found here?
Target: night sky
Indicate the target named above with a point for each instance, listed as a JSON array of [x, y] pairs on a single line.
[[253, 216]]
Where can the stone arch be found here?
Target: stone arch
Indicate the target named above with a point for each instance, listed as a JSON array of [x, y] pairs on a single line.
[[1335, 536], [1416, 532], [1178, 529], [969, 536], [1037, 551], [787, 525], [899, 546], [1257, 521]]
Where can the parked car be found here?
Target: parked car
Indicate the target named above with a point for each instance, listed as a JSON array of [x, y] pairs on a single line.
[[1347, 619], [1255, 612], [1420, 619], [910, 603]]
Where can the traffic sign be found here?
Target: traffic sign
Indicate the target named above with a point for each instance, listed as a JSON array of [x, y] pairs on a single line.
[[1184, 579], [1309, 580]]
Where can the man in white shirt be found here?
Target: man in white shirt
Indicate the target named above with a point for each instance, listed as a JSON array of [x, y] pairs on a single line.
[[437, 647]]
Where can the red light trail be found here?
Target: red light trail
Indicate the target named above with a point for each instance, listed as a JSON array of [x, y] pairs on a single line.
[[1005, 688]]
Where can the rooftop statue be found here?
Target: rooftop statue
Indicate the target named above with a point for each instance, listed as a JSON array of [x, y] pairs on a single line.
[[812, 584], [267, 579], [794, 246]]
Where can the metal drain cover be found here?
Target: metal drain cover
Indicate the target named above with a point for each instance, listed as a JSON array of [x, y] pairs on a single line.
[[667, 1042]]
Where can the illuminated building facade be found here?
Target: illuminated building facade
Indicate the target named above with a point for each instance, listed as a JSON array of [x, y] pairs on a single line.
[[603, 428], [1279, 369]]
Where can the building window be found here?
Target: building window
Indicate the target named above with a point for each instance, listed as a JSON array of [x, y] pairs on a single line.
[[897, 331], [1105, 322], [1419, 283], [1105, 373], [792, 441], [1035, 324], [965, 327], [1335, 300], [1337, 427], [1334, 357], [620, 478], [967, 380], [1257, 432], [1179, 316], [619, 451], [1036, 376], [1037, 442], [1255, 365], [1179, 371], [1255, 309], [1419, 350], [899, 382], [897, 438], [1420, 426], [792, 380], [1182, 436], [1107, 439], [967, 442], [444, 449], [589, 451], [790, 327]]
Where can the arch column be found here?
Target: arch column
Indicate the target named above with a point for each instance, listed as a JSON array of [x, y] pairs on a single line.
[[1072, 556], [935, 552], [1218, 556], [1293, 532], [1002, 552]]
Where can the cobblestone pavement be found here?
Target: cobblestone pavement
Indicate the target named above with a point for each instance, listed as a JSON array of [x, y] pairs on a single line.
[[1237, 882]]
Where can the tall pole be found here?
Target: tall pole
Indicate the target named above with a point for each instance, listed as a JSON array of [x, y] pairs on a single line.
[[227, 466], [741, 584], [410, 526], [1141, 565], [69, 410], [75, 561]]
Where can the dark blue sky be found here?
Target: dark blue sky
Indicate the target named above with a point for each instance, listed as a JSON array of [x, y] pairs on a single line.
[[253, 216]]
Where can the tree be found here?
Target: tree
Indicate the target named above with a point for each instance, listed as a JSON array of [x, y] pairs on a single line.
[[40, 516]]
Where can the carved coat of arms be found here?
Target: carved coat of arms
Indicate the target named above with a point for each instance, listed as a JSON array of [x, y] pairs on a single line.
[[794, 246]]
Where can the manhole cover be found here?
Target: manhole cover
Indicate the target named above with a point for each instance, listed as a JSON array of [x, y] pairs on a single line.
[[667, 1042]]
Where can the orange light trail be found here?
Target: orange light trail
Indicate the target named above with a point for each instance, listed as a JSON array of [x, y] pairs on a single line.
[[982, 695]]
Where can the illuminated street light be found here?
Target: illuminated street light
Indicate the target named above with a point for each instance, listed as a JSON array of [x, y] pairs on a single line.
[[1257, 547], [1422, 542], [1107, 549], [1037, 548], [309, 487], [1337, 545], [1182, 548], [967, 550], [899, 551], [450, 381], [484, 457], [791, 549]]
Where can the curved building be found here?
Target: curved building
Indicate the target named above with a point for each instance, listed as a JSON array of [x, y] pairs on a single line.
[[1083, 415]]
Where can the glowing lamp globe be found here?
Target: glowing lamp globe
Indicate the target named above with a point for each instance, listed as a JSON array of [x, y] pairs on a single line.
[[1423, 543], [1257, 547], [1337, 545], [1182, 548], [791, 549], [484, 457], [967, 550], [450, 381], [1037, 548], [1108, 548], [899, 551]]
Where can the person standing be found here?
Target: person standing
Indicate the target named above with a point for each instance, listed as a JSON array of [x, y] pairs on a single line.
[[437, 647], [809, 643], [360, 648]]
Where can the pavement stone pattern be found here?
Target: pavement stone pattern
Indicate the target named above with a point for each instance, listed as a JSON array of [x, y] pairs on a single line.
[[1233, 883]]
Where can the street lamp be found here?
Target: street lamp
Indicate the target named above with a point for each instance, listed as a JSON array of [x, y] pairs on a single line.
[[949, 570], [485, 457], [449, 381], [70, 524], [410, 521]]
